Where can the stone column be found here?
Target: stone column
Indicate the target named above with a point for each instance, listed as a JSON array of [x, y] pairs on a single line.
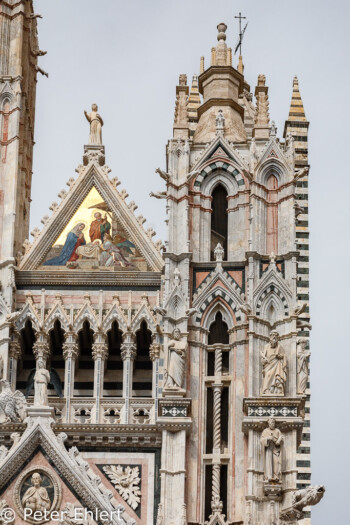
[[70, 355], [128, 354], [154, 353], [15, 353], [99, 355], [217, 388]]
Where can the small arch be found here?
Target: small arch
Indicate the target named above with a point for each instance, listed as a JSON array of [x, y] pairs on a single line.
[[218, 229], [27, 362], [142, 378], [57, 363], [272, 167], [218, 331], [113, 377], [84, 373]]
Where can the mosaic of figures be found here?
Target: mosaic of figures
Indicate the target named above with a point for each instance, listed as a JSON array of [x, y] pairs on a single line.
[[94, 239]]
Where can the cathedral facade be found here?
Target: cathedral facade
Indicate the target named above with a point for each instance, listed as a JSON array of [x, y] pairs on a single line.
[[145, 382]]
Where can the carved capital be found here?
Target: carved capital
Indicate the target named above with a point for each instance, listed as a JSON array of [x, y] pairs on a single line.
[[15, 350], [70, 346], [128, 351], [100, 347], [154, 351], [41, 347], [99, 351], [70, 350]]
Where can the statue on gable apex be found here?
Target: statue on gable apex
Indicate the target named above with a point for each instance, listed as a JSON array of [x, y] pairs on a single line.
[[96, 123]]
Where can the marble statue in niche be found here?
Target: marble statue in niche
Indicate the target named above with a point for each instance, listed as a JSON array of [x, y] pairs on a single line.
[[274, 367], [41, 380], [96, 123], [271, 440], [302, 365], [176, 365]]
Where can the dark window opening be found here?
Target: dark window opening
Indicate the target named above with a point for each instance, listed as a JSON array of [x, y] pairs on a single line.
[[209, 428], [208, 491], [142, 378], [56, 363], [84, 369], [218, 220], [113, 377], [27, 363], [224, 418], [218, 332]]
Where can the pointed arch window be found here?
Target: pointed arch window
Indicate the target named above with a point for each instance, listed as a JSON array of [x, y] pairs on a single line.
[[272, 215], [142, 380], [219, 221]]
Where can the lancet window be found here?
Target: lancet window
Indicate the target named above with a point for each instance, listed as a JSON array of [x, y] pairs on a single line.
[[218, 220]]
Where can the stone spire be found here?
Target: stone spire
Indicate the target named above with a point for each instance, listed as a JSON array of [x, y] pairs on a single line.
[[297, 126], [261, 125], [221, 86], [193, 103], [181, 128], [296, 110]]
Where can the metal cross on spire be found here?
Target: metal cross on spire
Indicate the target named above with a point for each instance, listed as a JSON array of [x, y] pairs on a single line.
[[241, 33]]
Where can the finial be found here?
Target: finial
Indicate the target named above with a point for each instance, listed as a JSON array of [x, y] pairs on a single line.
[[221, 31], [272, 258], [273, 129], [183, 80], [201, 66]]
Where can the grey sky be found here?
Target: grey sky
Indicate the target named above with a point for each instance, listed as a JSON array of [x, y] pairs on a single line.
[[126, 56]]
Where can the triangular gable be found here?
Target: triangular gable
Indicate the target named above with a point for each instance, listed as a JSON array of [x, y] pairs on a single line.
[[273, 151], [70, 466], [93, 193], [220, 144]]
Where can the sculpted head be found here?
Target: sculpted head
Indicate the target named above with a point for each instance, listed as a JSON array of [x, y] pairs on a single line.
[[41, 364], [177, 334], [36, 480], [274, 337], [272, 423], [302, 341], [94, 107]]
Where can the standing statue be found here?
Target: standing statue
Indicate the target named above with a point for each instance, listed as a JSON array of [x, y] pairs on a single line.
[[96, 124], [271, 439], [36, 497], [303, 365], [41, 380], [176, 365], [274, 367]]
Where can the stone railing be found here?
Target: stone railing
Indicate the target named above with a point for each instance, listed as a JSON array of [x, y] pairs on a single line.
[[82, 410]]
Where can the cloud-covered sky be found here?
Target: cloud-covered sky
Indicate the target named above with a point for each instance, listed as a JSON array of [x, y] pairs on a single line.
[[127, 56]]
